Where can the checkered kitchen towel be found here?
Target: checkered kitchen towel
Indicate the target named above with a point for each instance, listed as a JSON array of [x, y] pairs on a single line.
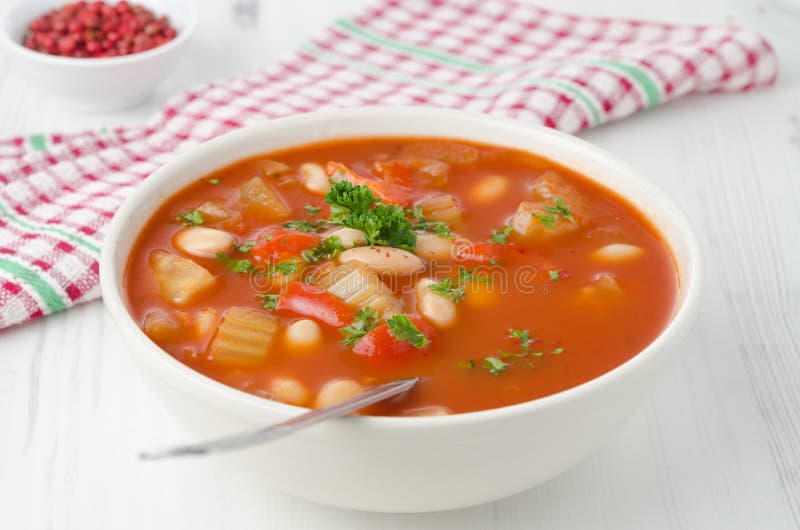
[[58, 192]]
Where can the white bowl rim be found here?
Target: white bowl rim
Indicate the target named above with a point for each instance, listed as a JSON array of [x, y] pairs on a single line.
[[97, 62], [113, 297]]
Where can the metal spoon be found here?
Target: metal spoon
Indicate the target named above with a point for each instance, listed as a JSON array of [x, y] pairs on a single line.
[[284, 428]]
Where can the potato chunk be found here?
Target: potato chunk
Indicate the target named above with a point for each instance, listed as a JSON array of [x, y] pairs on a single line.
[[441, 207], [160, 326], [219, 214], [262, 201], [244, 336], [557, 209], [180, 280]]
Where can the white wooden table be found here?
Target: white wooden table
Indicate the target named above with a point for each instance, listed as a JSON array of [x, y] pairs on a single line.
[[716, 447]]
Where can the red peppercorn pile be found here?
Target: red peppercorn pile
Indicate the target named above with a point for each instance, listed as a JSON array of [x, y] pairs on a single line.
[[98, 29]]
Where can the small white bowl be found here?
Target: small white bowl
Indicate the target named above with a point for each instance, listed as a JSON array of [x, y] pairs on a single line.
[[404, 464], [102, 84]]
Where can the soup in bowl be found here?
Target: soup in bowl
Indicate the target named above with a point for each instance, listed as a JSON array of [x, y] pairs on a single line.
[[297, 263]]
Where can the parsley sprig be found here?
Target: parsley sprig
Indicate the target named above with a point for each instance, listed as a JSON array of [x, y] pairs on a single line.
[[446, 287], [365, 321], [401, 328], [191, 218], [328, 248], [381, 224]]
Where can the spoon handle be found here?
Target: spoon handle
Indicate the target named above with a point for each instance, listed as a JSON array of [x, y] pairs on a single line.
[[284, 428]]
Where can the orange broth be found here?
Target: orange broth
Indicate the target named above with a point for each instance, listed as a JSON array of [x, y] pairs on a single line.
[[578, 331]]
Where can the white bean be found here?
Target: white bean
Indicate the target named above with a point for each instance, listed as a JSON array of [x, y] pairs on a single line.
[[384, 260], [618, 252], [303, 334], [203, 242], [489, 188], [349, 237], [431, 246], [433, 307], [289, 390], [314, 178], [337, 391]]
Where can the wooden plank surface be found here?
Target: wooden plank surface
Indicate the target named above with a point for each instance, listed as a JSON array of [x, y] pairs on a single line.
[[716, 447]]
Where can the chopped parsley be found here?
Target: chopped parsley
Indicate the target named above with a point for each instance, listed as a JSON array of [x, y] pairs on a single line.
[[501, 236], [213, 181], [383, 224], [326, 249], [365, 321], [232, 264], [495, 365], [304, 226], [270, 300], [557, 351], [284, 267], [438, 228], [445, 287], [561, 209], [507, 355], [554, 274], [547, 220], [311, 209], [465, 276], [346, 198], [523, 337], [401, 328], [246, 246], [466, 365], [191, 218]]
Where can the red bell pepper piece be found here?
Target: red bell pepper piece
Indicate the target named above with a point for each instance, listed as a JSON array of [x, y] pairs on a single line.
[[282, 243], [380, 345], [315, 303]]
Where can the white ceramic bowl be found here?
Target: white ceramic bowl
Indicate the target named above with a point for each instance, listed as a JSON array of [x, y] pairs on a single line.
[[102, 84], [401, 464]]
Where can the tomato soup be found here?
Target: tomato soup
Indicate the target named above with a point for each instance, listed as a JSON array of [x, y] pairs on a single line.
[[311, 274]]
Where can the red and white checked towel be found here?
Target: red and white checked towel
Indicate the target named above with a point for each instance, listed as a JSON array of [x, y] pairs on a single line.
[[58, 192]]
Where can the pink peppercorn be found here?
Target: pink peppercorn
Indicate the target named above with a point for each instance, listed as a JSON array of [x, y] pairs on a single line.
[[98, 29]]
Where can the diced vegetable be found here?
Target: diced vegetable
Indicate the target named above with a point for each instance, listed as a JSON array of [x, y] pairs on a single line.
[[441, 207], [161, 327], [434, 173], [437, 309], [337, 391], [221, 215], [453, 153], [204, 321], [385, 344], [276, 244], [180, 280], [385, 260], [244, 336], [303, 334], [395, 171], [271, 168], [489, 189], [316, 303], [262, 201], [358, 287], [203, 242], [617, 252]]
